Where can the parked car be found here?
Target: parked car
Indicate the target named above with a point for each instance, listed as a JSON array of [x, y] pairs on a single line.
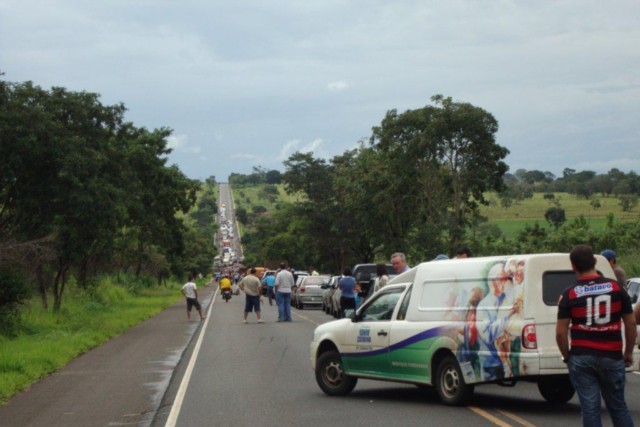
[[415, 328], [366, 273], [309, 291], [328, 293]]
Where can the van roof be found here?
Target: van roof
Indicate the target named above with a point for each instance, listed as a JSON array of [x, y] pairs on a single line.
[[444, 266]]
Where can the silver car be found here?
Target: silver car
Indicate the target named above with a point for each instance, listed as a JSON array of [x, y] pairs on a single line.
[[309, 291]]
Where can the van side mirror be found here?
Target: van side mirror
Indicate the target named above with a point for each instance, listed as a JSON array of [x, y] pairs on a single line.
[[350, 313]]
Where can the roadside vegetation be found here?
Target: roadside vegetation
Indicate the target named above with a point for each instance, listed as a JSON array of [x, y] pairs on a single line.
[[96, 230], [46, 341]]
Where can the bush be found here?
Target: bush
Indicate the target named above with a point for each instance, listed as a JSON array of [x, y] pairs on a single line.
[[13, 292]]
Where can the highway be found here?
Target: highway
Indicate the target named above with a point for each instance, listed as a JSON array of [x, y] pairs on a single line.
[[260, 374]]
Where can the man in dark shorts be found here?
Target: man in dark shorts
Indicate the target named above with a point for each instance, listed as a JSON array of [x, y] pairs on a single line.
[[189, 290], [251, 285]]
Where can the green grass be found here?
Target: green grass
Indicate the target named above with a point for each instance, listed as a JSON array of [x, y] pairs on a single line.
[[48, 341], [514, 219]]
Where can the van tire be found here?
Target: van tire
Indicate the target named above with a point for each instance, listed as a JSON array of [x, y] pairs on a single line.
[[331, 377], [450, 384], [556, 388]]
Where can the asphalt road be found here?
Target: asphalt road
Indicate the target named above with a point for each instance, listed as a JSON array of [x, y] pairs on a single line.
[[259, 374], [222, 372]]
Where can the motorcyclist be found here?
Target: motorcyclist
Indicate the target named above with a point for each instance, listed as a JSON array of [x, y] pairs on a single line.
[[225, 285]]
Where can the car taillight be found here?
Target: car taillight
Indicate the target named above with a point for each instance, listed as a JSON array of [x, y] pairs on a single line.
[[529, 337], [301, 289]]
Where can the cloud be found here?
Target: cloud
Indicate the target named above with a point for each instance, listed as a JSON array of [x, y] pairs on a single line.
[[297, 145], [180, 143], [288, 148], [338, 86]]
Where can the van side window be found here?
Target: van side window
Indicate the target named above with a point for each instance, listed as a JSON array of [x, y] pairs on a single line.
[[402, 313], [554, 283]]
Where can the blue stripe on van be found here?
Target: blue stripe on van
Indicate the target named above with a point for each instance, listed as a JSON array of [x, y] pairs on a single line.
[[431, 333]]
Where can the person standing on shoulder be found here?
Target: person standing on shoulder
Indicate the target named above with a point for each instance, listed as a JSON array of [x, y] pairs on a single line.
[[283, 285], [591, 313], [251, 285], [621, 275], [399, 262], [190, 292]]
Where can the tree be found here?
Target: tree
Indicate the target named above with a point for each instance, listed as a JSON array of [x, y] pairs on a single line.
[[446, 157], [555, 216]]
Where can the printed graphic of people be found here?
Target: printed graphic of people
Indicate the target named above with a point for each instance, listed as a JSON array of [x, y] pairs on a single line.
[[468, 350], [493, 322]]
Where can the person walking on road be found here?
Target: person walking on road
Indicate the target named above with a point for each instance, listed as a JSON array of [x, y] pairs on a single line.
[[347, 286], [190, 292], [284, 283], [270, 281], [592, 312], [251, 285]]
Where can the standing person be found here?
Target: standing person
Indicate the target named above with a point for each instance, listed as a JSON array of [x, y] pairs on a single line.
[[591, 311], [270, 281], [251, 285], [463, 252], [382, 278], [284, 283], [621, 275], [190, 292], [399, 262], [347, 285]]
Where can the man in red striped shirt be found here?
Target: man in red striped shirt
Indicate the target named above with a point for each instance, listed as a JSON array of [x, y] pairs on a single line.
[[593, 311]]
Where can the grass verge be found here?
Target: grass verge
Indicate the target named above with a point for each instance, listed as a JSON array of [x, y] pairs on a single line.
[[48, 341]]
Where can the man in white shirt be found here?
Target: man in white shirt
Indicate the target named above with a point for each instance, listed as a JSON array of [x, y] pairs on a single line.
[[251, 286], [283, 285], [190, 291]]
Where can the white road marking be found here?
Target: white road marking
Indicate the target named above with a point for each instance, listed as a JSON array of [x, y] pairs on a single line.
[[177, 403]]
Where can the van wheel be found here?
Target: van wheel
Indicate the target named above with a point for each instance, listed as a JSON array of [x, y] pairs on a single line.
[[450, 384], [556, 388], [330, 375]]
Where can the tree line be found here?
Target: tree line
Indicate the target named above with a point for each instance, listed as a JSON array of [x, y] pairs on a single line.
[[84, 192], [416, 186]]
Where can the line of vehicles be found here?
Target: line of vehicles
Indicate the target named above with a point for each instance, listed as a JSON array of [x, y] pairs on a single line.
[[227, 255]]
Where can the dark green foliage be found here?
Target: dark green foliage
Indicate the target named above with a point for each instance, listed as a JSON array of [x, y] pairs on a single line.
[[14, 291], [555, 216], [75, 172]]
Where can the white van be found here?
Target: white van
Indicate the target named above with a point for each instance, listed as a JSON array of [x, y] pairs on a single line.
[[453, 324]]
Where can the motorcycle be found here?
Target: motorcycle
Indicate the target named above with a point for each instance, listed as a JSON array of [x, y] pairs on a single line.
[[226, 294]]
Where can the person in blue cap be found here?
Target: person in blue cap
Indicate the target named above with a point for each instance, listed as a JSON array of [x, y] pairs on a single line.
[[621, 276]]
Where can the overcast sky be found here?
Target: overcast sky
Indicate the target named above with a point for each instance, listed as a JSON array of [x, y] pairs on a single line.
[[247, 83]]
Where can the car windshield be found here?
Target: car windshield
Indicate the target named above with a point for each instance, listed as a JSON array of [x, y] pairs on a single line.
[[316, 280]]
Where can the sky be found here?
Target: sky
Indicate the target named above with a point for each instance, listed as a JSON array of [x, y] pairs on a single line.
[[245, 84]]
